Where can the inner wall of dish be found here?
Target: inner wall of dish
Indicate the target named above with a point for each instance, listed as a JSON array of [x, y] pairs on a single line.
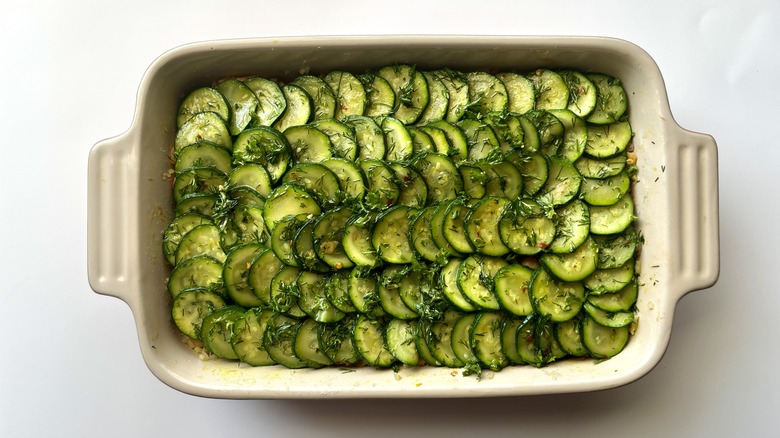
[[172, 77]]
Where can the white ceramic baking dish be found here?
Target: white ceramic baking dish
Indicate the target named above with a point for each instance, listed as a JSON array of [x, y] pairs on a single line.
[[130, 205]]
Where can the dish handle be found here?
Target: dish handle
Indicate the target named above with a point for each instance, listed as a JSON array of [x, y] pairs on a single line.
[[111, 200], [695, 228]]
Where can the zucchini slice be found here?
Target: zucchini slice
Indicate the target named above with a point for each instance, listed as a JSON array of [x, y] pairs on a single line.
[[557, 300], [271, 102], [242, 102], [351, 98]]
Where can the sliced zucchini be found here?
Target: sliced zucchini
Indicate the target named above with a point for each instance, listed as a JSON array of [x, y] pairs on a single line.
[[265, 146], [369, 137], [351, 98], [438, 230], [202, 100], [572, 225], [271, 102], [382, 187], [317, 179], [421, 235], [390, 236], [509, 340], [603, 342], [474, 180], [476, 276], [482, 225], [512, 284], [614, 218], [312, 298], [486, 93], [451, 289], [369, 338], [201, 203], [363, 292], [458, 90], [608, 140], [438, 100], [389, 290], [400, 340], [242, 102], [439, 141], [337, 291], [251, 175], [533, 168], [178, 227], [620, 301], [421, 140], [307, 345], [323, 100], [454, 227], [486, 340], [573, 266], [456, 145], [206, 127], [351, 182], [284, 292], [198, 180], [439, 339], [341, 136], [563, 181], [503, 179], [381, 97], [440, 175], [336, 342], [413, 192], [610, 280], [279, 341], [590, 167], [199, 271], [616, 249], [298, 110], [261, 272], [235, 272], [461, 340], [549, 129], [248, 335], [357, 241], [191, 307], [216, 330], [520, 91], [411, 91], [611, 100], [304, 248], [283, 238], [575, 134], [557, 300], [525, 229], [328, 237], [582, 92], [398, 141], [286, 200], [244, 225], [569, 337], [481, 140], [550, 89], [605, 191], [201, 240]]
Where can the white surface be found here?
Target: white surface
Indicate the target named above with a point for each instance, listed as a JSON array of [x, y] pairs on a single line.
[[70, 364]]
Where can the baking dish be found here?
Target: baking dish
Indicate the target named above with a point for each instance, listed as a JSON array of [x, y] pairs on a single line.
[[129, 205]]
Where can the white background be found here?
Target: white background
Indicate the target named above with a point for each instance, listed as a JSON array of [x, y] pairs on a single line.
[[69, 359]]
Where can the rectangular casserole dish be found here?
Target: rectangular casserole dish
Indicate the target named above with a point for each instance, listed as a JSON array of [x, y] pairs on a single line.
[[129, 195]]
